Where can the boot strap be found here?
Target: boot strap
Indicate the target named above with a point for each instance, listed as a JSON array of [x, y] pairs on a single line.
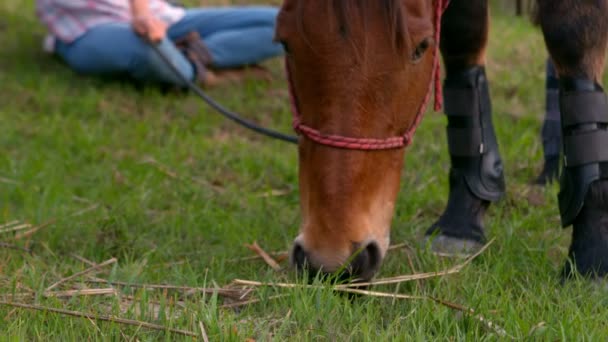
[[586, 148], [464, 130], [583, 108]]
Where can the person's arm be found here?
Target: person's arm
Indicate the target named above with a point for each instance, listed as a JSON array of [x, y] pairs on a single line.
[[144, 23], [139, 8]]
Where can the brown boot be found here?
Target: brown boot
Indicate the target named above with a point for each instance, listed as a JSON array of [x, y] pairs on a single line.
[[191, 45]]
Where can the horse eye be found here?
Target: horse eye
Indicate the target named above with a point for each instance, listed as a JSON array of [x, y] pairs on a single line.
[[421, 49]]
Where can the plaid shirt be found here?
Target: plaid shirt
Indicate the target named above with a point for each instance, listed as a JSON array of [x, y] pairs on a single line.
[[69, 19]]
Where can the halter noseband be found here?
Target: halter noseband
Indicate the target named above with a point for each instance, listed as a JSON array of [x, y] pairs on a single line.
[[371, 144]]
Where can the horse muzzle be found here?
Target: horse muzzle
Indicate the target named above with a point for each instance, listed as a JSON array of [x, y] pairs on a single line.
[[363, 263]]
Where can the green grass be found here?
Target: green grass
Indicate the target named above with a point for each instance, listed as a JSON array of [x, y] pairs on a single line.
[[70, 143]]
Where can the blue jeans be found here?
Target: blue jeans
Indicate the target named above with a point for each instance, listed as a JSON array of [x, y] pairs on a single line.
[[234, 37]]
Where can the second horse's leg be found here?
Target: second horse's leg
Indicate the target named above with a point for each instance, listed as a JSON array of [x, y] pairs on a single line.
[[576, 34], [476, 173]]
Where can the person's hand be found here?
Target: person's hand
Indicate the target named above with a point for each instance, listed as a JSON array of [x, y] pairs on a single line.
[[150, 28]]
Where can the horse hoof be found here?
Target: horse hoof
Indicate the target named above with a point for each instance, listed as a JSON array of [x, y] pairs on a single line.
[[448, 246], [588, 255]]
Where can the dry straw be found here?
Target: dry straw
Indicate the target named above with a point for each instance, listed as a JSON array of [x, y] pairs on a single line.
[[241, 295], [94, 317]]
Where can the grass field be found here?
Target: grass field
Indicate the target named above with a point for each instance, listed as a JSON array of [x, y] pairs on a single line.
[[174, 192]]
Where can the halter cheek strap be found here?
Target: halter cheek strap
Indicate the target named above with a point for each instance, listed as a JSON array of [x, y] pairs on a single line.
[[371, 144]]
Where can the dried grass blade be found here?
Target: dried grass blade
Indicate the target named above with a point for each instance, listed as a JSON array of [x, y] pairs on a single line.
[[30, 232], [282, 285], [82, 259], [280, 255], [203, 331], [8, 224], [274, 193], [20, 296], [267, 258], [76, 275], [402, 279], [15, 228], [471, 312], [85, 210], [249, 302], [112, 319], [478, 253], [83, 292], [400, 246], [231, 293], [380, 294]]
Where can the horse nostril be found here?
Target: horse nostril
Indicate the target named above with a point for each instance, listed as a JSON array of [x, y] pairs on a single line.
[[366, 262], [298, 256]]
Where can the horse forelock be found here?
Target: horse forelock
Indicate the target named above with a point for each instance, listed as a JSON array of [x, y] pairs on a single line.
[[392, 11]]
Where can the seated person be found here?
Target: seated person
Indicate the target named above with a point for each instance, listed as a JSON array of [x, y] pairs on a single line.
[[114, 36]]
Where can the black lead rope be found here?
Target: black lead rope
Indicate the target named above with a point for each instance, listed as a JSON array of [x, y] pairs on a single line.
[[221, 109]]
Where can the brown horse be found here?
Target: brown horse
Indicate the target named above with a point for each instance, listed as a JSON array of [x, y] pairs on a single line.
[[360, 74]]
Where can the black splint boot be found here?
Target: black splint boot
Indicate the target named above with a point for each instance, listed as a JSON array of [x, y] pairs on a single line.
[[476, 174], [583, 199]]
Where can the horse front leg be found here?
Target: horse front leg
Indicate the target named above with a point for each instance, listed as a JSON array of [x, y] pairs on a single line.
[[576, 34], [476, 173]]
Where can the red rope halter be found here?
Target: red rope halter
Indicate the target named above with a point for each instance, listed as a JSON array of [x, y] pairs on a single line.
[[370, 144]]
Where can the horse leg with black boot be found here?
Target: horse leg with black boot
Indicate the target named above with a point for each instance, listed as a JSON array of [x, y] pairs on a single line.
[[476, 174], [576, 34]]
